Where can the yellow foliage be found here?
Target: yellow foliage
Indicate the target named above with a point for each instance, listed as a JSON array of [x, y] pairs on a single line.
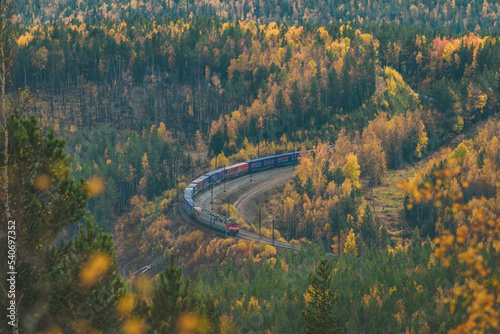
[[126, 304], [307, 295], [478, 226], [188, 323], [53, 330], [269, 251], [350, 247], [42, 182], [134, 325], [351, 170], [94, 186], [25, 39], [94, 269]]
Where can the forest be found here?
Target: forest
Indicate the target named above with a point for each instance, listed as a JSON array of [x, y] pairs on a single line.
[[111, 109]]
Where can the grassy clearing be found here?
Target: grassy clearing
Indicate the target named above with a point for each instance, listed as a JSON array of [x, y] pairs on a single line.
[[387, 200]]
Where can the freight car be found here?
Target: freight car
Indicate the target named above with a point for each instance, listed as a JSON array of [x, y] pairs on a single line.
[[219, 222]]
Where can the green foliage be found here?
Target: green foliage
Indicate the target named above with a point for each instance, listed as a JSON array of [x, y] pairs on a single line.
[[309, 187], [460, 153], [459, 18], [383, 240], [368, 227], [212, 314], [171, 298], [43, 199], [375, 288], [318, 316], [118, 158], [415, 238], [338, 176], [480, 158], [85, 282]]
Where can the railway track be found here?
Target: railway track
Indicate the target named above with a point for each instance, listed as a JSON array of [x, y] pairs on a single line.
[[204, 199]]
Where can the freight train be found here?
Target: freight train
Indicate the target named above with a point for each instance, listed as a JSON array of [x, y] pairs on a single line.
[[218, 222]]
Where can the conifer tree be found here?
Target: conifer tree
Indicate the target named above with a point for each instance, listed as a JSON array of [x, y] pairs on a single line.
[[43, 200], [368, 231], [85, 282], [383, 240], [318, 315], [171, 298], [213, 323], [415, 239]]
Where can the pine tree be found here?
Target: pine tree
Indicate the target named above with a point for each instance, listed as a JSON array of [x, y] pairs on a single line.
[[334, 89], [212, 315], [43, 199], [84, 281], [383, 240], [480, 158], [325, 171], [368, 231], [318, 316], [171, 298], [415, 239], [309, 187]]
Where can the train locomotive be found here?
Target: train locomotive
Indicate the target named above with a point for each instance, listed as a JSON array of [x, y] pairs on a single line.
[[218, 222]]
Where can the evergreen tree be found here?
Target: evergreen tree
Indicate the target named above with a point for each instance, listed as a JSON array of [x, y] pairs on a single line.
[[43, 200], [383, 240], [368, 231], [85, 282], [171, 298], [338, 176], [309, 187], [212, 315], [415, 239], [325, 171], [298, 184], [480, 158], [318, 316], [334, 89]]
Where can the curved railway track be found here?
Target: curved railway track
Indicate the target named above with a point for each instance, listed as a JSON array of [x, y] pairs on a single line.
[[204, 199]]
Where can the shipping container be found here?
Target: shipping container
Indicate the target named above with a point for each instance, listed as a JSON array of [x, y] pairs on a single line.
[[205, 181], [237, 169], [217, 174], [199, 184], [287, 158], [194, 187], [261, 163]]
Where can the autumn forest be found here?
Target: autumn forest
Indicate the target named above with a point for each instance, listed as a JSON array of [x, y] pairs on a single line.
[[388, 221]]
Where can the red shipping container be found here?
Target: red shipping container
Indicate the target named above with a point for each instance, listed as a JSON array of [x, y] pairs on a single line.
[[199, 183], [233, 170]]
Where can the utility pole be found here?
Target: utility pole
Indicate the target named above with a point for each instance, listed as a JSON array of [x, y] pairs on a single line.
[[212, 200], [227, 214], [225, 177], [296, 160], [250, 167], [273, 231]]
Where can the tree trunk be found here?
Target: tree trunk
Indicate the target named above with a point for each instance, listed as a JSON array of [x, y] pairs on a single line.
[[5, 170]]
